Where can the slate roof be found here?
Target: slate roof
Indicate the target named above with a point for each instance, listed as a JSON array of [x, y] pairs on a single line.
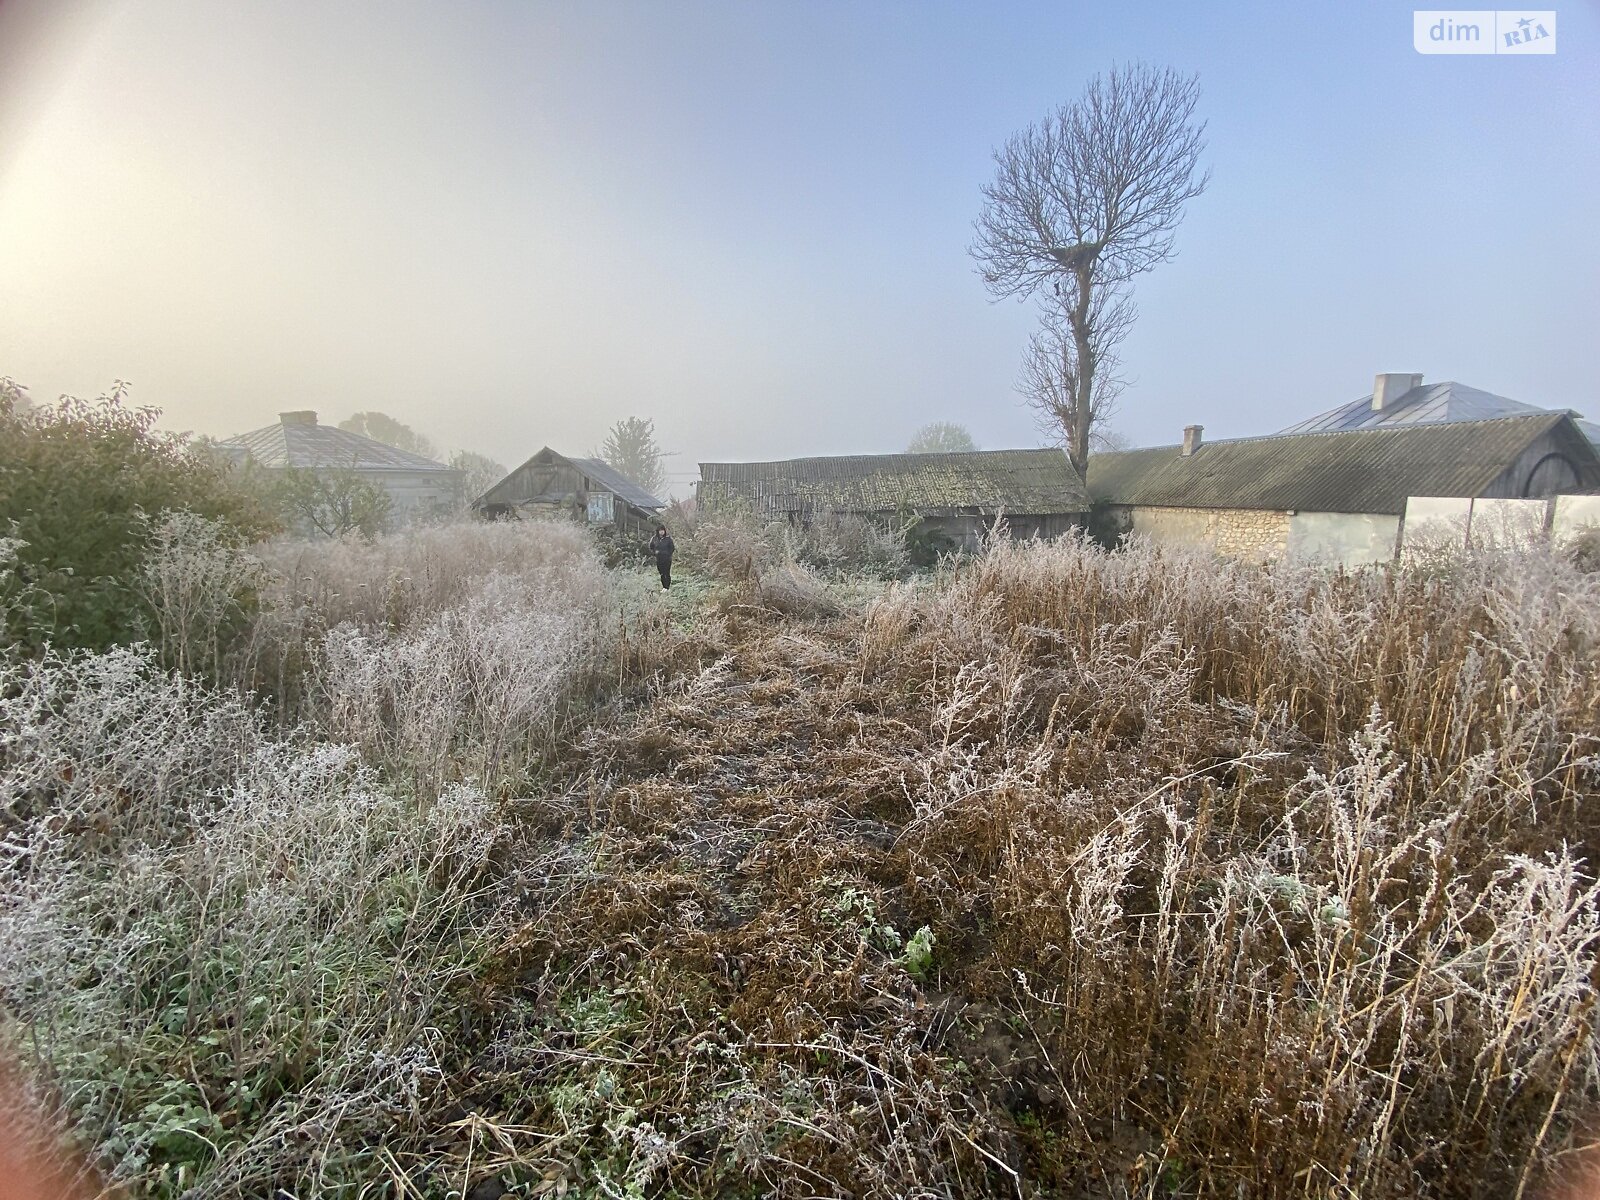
[[1033, 482], [1429, 403], [1353, 471], [619, 484], [296, 445]]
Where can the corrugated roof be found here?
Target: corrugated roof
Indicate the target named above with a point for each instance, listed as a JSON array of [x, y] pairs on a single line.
[[1017, 481], [306, 445], [619, 484], [1354, 471], [1428, 404]]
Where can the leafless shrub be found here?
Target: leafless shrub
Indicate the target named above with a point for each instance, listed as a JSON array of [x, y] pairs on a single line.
[[477, 688], [732, 551], [202, 587]]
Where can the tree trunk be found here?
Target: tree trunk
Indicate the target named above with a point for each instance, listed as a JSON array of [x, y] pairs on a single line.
[[1082, 412]]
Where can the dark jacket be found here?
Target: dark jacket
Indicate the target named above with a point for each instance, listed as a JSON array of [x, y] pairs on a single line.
[[661, 546]]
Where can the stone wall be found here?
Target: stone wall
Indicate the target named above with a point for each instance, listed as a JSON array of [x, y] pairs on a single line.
[[1254, 534]]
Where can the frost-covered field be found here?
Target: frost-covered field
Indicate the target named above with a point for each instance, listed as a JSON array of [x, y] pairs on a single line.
[[458, 863]]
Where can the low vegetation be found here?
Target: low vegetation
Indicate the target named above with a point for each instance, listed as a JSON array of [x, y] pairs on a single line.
[[454, 864]]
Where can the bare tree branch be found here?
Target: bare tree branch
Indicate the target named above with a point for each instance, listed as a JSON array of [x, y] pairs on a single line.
[[1056, 373]]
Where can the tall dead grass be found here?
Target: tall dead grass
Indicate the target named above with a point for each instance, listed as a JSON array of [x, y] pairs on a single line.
[[1224, 880], [446, 652], [1062, 873]]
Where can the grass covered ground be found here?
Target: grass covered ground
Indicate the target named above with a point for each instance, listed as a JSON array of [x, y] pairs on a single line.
[[1058, 873]]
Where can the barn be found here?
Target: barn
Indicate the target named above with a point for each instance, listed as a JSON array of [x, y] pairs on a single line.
[[1337, 496], [584, 489], [958, 495]]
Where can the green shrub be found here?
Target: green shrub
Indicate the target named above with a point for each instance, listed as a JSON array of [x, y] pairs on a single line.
[[82, 489]]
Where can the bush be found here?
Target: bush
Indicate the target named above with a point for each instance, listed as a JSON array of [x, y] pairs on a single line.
[[83, 490], [231, 954]]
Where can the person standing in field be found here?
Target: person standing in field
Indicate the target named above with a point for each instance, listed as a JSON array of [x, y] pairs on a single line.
[[662, 547]]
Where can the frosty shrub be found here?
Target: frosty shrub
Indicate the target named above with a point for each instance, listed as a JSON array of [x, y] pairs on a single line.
[[1583, 548], [202, 588], [401, 578], [731, 550], [842, 543], [228, 954], [473, 690], [794, 591], [411, 589], [735, 546]]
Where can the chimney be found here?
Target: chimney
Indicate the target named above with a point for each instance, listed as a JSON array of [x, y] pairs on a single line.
[[1191, 439], [303, 417], [1386, 389]]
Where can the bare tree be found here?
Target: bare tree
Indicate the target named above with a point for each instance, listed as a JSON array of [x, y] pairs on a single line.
[[1053, 368], [1107, 440], [941, 437], [631, 448], [1087, 200]]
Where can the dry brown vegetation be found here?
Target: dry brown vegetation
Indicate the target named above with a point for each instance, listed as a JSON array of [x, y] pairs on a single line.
[[1223, 881], [1060, 873]]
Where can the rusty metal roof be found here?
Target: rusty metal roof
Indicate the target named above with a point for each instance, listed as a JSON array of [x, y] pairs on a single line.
[[1354, 471], [987, 481]]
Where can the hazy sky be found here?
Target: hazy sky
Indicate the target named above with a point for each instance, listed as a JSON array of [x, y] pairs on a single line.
[[510, 224]]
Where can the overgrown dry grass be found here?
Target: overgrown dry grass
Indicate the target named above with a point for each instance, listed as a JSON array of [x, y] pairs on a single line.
[[1224, 881], [1061, 874]]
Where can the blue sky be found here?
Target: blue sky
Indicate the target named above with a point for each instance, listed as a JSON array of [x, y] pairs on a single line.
[[511, 224]]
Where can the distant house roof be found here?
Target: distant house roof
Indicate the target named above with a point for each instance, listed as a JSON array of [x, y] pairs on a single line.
[[1017, 481], [1354, 471], [1426, 404], [298, 441]]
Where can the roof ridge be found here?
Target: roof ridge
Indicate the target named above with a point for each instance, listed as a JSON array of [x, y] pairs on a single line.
[[1548, 414], [778, 462]]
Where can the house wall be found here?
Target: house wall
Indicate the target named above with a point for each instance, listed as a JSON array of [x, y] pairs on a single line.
[[1350, 539], [1258, 534], [416, 494], [1254, 534]]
